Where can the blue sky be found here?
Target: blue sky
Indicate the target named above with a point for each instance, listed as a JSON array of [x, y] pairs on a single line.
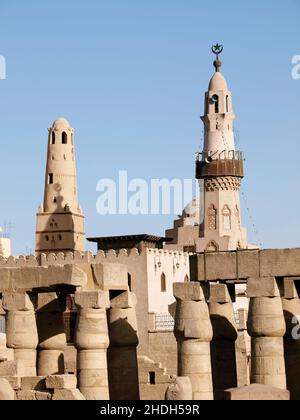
[[130, 77]]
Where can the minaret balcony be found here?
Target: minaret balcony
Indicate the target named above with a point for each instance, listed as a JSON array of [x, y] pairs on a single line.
[[226, 163]]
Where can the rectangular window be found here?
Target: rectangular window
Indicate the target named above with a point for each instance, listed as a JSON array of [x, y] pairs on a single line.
[[50, 180], [152, 378]]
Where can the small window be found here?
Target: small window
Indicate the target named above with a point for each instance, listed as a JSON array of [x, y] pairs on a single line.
[[50, 179], [152, 378], [163, 283], [215, 101], [227, 103], [217, 107], [55, 200], [129, 282], [60, 237], [47, 238], [64, 137], [53, 137]]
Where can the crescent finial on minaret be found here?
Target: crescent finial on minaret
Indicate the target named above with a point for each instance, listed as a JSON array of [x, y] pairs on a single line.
[[217, 49]]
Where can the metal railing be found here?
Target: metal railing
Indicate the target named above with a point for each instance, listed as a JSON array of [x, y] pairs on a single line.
[[224, 155], [164, 322]]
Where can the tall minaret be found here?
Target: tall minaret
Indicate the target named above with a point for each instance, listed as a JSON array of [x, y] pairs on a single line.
[[60, 221], [219, 169]]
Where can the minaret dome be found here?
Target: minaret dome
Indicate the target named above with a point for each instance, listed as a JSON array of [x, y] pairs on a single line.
[[218, 82]]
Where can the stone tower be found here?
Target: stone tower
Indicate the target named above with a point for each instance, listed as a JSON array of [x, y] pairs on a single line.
[[60, 221], [219, 169]]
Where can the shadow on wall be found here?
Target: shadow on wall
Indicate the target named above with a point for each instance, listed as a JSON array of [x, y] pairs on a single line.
[[54, 228], [51, 332], [223, 356], [292, 357], [122, 361]]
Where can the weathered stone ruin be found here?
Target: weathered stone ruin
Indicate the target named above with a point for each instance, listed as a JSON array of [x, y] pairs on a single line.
[[32, 355], [214, 362]]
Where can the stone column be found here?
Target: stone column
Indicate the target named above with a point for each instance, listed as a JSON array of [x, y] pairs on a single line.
[[5, 353], [193, 332], [21, 330], [223, 356], [291, 309], [266, 326], [122, 353], [91, 341], [52, 336], [243, 350]]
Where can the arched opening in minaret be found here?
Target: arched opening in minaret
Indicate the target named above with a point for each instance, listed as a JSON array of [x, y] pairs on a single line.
[[163, 283], [215, 100], [64, 137], [226, 213], [212, 217], [227, 103], [237, 216], [53, 138]]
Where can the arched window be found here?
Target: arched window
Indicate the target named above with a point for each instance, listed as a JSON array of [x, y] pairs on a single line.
[[237, 217], [216, 102], [226, 214], [212, 217], [212, 247], [129, 282], [64, 138], [227, 103], [53, 137], [163, 283]]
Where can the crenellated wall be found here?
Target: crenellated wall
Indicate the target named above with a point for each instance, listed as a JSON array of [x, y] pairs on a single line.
[[151, 275]]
